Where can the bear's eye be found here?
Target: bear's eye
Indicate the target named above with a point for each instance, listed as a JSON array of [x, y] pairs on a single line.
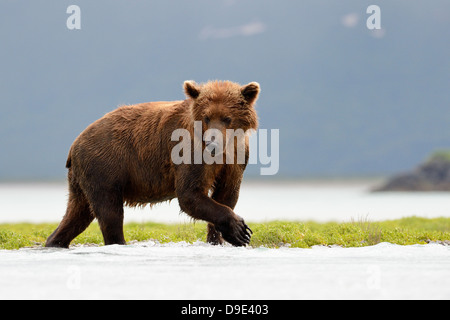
[[207, 119], [226, 120]]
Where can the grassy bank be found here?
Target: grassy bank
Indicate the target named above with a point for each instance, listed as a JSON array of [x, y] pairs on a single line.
[[271, 234]]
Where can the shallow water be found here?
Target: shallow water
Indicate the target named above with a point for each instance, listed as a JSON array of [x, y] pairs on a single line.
[[150, 270], [259, 201]]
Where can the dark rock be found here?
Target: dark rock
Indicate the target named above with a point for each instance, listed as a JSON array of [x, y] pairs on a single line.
[[433, 175]]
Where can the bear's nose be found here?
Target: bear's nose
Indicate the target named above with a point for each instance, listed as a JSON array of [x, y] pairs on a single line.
[[211, 147], [211, 144]]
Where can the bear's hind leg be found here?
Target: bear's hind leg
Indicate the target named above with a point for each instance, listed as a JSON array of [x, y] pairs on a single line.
[[108, 209], [77, 218]]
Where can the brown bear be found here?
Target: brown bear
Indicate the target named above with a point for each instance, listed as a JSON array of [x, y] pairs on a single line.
[[125, 158]]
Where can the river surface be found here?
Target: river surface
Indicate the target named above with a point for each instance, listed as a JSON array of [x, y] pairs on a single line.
[[259, 201], [150, 270]]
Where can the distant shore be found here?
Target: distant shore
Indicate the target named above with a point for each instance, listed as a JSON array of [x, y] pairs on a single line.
[[432, 175]]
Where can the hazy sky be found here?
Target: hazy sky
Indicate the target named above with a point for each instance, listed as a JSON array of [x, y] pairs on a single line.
[[347, 100]]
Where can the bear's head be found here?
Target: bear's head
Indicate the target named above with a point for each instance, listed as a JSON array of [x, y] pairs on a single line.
[[222, 106]]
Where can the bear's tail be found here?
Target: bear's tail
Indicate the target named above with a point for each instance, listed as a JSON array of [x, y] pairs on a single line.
[[69, 160]]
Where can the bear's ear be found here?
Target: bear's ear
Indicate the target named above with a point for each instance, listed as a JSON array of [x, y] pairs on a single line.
[[191, 89], [250, 92]]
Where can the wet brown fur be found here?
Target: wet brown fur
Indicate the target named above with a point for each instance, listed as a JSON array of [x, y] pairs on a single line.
[[125, 158]]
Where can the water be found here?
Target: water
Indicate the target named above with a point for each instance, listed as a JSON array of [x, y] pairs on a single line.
[[200, 271], [259, 201], [150, 270]]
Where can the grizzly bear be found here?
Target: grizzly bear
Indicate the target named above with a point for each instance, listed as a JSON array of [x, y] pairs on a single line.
[[124, 158]]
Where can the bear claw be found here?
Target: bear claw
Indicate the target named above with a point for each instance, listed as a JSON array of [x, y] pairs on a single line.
[[237, 233]]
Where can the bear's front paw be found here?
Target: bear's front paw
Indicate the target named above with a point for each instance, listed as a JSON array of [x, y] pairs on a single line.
[[236, 232]]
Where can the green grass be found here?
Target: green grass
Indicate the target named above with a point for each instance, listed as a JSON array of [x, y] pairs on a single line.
[[274, 234], [440, 155]]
